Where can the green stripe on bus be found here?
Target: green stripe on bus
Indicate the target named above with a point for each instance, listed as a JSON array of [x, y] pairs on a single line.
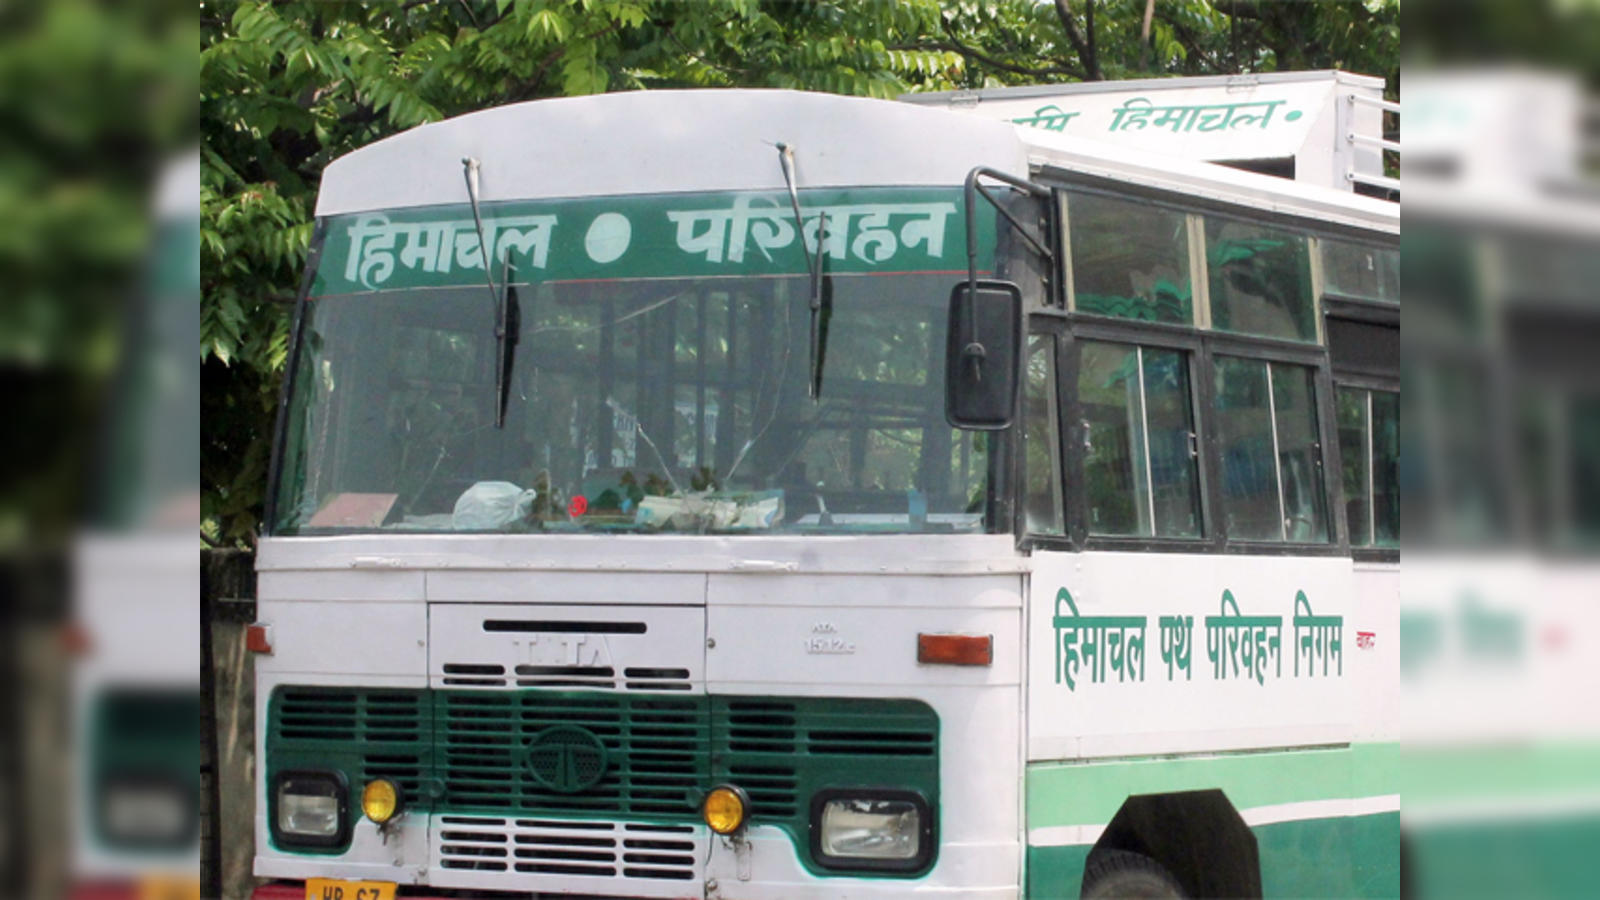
[[1090, 793], [1353, 856]]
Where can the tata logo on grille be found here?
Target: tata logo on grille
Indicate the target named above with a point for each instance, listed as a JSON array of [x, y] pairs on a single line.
[[567, 759]]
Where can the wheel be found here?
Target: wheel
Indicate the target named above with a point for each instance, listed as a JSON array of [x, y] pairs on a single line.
[[1120, 875]]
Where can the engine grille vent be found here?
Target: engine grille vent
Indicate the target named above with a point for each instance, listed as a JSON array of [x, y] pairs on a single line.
[[369, 733], [655, 749], [580, 848], [594, 678], [476, 756]]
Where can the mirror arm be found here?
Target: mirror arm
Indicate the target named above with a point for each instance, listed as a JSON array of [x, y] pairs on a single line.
[[975, 351]]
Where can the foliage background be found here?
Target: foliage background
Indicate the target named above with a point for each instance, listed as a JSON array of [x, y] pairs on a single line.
[[287, 87]]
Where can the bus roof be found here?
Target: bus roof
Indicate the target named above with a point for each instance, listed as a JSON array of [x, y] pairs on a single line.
[[725, 139], [667, 142], [1209, 181]]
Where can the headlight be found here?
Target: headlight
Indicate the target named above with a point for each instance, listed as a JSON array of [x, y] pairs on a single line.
[[147, 811], [310, 809], [870, 829]]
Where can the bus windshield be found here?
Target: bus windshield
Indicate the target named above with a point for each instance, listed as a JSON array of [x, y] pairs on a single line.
[[675, 402]]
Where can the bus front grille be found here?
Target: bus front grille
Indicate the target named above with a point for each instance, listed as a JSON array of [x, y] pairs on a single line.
[[654, 757], [496, 769]]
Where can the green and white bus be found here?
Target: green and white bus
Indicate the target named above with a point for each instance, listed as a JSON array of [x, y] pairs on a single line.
[[740, 494]]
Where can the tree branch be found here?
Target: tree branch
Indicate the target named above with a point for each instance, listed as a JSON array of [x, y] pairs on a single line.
[[1238, 9], [973, 53], [1187, 37], [1073, 35], [1092, 64]]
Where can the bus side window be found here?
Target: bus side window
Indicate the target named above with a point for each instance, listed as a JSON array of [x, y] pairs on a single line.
[[1043, 505], [1369, 446], [1260, 280], [1357, 270], [1271, 461], [1139, 466], [1129, 259]]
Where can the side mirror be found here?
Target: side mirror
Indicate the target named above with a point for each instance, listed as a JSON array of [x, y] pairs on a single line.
[[981, 351]]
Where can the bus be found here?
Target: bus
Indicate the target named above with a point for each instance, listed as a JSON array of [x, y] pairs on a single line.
[[757, 493], [126, 774], [1500, 697]]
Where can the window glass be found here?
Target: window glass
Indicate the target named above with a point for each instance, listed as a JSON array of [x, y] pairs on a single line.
[[633, 405], [1356, 463], [1042, 507], [1175, 482], [1129, 260], [1271, 458], [1386, 468], [1139, 466], [1260, 280], [1360, 270], [1369, 447], [1113, 423], [1244, 433], [1294, 394]]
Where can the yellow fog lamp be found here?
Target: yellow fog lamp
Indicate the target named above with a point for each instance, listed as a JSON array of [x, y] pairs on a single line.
[[725, 808], [380, 800]]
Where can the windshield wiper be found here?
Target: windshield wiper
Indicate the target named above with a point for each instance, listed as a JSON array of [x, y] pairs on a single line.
[[507, 333], [821, 281], [507, 315]]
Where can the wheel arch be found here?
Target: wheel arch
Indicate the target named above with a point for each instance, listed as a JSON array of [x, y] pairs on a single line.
[[1197, 835]]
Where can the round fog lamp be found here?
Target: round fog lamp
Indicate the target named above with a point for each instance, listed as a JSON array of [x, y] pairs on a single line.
[[724, 809], [380, 800]]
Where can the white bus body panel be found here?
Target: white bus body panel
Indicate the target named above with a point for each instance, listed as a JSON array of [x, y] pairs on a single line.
[[829, 616], [647, 142], [1149, 707]]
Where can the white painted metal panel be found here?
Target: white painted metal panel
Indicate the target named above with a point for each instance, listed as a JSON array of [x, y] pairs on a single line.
[[353, 584], [371, 641], [1237, 693], [1135, 114], [1374, 642], [1208, 181], [608, 589], [1306, 118], [849, 630], [581, 647], [666, 142], [612, 555]]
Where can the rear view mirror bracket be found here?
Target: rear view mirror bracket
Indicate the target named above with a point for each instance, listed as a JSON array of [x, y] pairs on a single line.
[[969, 403]]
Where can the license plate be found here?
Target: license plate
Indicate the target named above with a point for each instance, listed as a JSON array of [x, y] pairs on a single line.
[[333, 889], [166, 887]]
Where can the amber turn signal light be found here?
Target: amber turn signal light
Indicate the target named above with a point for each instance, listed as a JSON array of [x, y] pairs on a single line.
[[725, 808], [956, 649]]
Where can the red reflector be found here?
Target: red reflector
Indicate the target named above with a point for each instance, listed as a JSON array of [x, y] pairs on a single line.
[[258, 638], [955, 649], [75, 639]]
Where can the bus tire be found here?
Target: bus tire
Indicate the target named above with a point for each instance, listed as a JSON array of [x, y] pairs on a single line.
[[1121, 875]]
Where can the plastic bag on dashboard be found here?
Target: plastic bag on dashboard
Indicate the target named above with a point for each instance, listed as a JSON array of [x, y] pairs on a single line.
[[491, 505]]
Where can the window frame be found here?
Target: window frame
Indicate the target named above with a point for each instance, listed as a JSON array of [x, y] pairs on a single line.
[[1088, 327], [1025, 536], [1202, 345], [1369, 384]]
